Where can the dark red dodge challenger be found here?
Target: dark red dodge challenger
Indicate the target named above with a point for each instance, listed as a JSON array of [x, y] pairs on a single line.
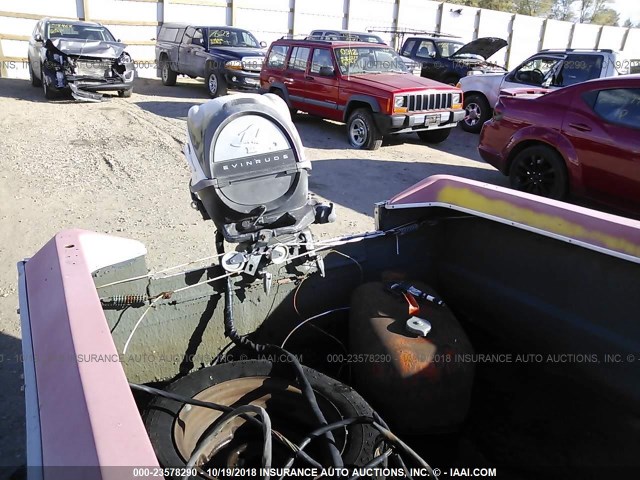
[[583, 139]]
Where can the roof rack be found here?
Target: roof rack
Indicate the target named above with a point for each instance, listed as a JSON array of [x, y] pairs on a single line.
[[314, 38], [409, 31], [604, 50], [297, 36], [398, 34]]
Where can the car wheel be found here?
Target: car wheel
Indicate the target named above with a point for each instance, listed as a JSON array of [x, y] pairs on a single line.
[[216, 85], [176, 429], [280, 93], [167, 74], [435, 136], [125, 93], [35, 81], [477, 111], [48, 93], [539, 170], [362, 130]]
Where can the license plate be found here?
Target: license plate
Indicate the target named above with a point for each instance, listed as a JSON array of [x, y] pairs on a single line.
[[431, 119], [251, 81]]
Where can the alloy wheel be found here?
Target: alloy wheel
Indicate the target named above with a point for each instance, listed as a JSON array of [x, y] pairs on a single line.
[[473, 114], [535, 174], [213, 83], [358, 132], [165, 71]]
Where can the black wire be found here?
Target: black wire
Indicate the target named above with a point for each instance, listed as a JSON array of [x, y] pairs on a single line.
[[396, 456], [221, 354], [115, 325], [392, 438], [241, 411], [374, 463], [304, 384], [179, 398], [213, 406], [321, 431], [388, 435]]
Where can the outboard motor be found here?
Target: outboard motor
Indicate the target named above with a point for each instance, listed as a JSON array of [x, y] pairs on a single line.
[[250, 177]]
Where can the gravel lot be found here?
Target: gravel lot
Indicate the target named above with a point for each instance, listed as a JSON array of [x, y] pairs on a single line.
[[117, 167]]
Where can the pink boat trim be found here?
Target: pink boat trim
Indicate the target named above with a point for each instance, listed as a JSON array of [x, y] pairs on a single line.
[[88, 416], [603, 232]]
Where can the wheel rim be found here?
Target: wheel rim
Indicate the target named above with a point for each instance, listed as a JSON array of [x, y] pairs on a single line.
[[213, 83], [358, 132], [535, 174], [235, 444], [473, 114], [165, 72]]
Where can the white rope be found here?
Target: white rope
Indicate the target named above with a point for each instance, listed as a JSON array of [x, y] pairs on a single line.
[[166, 295], [309, 320], [153, 274]]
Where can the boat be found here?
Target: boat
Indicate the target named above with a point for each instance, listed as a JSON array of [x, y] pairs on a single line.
[[472, 328]]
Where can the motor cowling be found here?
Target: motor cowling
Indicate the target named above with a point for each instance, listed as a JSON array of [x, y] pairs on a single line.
[[248, 167]]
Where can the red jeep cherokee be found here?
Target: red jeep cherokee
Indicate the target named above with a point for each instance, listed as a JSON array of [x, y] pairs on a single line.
[[362, 84]]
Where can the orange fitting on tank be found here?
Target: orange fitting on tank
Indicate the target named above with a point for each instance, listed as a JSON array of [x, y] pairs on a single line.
[[414, 308]]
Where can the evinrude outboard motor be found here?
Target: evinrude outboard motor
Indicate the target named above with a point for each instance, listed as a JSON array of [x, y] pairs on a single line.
[[250, 177]]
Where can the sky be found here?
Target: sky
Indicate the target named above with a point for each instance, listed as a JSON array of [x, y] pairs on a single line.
[[628, 9]]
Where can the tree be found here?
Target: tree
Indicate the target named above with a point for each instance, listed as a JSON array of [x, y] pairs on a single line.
[[501, 5], [466, 3], [561, 10], [534, 8], [605, 16], [588, 9]]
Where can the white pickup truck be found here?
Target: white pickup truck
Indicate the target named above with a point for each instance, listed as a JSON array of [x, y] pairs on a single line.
[[547, 68]]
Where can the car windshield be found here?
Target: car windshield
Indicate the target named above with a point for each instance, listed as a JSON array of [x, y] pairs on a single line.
[[358, 60], [79, 32], [446, 49], [222, 37]]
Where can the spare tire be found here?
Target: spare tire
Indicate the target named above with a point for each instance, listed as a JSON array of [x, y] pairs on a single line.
[[176, 429]]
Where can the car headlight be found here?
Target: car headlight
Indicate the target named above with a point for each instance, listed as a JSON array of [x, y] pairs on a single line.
[[456, 101], [124, 58], [400, 104], [233, 65]]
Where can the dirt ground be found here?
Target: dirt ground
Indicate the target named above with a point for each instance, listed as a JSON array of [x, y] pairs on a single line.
[[117, 167]]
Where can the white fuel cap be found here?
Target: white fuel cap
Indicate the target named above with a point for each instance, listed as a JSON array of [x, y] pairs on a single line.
[[419, 326]]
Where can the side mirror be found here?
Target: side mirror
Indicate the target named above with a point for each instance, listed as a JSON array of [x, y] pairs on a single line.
[[118, 40], [38, 38], [263, 44], [326, 72], [432, 54]]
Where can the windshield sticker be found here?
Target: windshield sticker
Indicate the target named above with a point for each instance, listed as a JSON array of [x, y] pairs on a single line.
[[347, 56], [61, 29], [219, 37]]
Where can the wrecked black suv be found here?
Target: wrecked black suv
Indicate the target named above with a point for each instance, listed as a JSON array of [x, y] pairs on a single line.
[[82, 57]]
